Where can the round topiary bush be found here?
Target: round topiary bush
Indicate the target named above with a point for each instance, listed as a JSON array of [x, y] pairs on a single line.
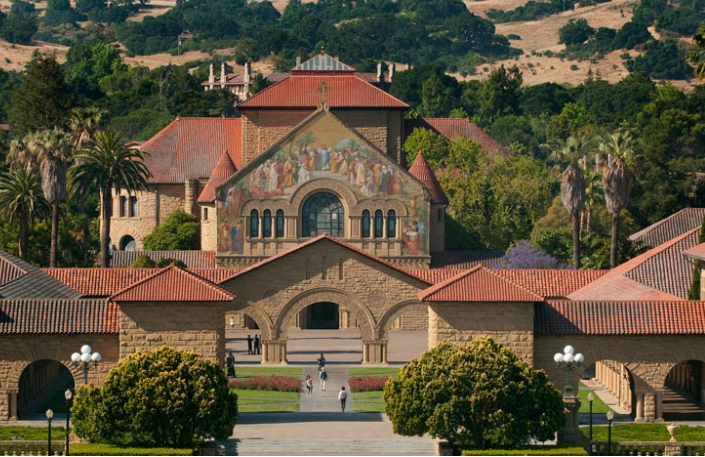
[[478, 395], [161, 398]]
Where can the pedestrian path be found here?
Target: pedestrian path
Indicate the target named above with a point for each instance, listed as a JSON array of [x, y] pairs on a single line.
[[330, 447], [326, 401]]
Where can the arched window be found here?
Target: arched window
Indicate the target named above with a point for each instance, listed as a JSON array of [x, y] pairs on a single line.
[[127, 243], [279, 223], [365, 224], [322, 213], [267, 224], [391, 224], [379, 224], [254, 223]]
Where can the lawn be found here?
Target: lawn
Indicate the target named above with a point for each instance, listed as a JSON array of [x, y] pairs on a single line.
[[359, 372], [598, 406], [108, 449], [368, 402], [260, 401], [14, 432], [645, 432], [251, 372]]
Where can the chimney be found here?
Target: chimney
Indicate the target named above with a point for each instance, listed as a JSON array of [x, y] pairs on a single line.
[[222, 74], [211, 76], [248, 72], [298, 60], [379, 71], [392, 67]]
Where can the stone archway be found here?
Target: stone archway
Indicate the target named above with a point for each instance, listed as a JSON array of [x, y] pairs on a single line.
[[36, 378], [373, 349]]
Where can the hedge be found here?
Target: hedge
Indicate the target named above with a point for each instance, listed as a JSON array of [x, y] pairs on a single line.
[[109, 449], [548, 450]]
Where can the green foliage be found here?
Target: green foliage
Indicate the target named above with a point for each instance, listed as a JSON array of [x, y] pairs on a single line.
[[159, 398], [530, 11], [179, 232], [477, 395], [500, 93], [108, 449], [662, 60], [576, 31], [143, 261], [19, 26], [433, 145], [538, 450]]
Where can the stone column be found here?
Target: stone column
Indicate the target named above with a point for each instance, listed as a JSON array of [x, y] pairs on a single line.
[[650, 407], [639, 407], [12, 397], [374, 352], [273, 352]]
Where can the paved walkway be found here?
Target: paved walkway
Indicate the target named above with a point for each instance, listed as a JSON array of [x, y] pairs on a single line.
[[326, 401]]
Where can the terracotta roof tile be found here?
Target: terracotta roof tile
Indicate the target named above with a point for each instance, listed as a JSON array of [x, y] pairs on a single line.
[[104, 282], [304, 91], [464, 260], [190, 148], [434, 275], [421, 170], [35, 315], [671, 227], [697, 252], [620, 318], [9, 271], [192, 259], [222, 171], [451, 128], [173, 284], [478, 285], [552, 283]]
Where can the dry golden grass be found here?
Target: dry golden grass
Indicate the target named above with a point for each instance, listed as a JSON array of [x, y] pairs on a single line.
[[16, 57]]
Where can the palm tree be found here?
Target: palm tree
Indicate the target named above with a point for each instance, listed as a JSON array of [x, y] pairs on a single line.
[[615, 180], [21, 198], [573, 186], [52, 151], [107, 163], [593, 196], [697, 56]]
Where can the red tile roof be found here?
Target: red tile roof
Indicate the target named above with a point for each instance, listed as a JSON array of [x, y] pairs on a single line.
[[451, 128], [478, 285], [192, 259], [51, 315], [9, 271], [465, 260], [173, 284], [697, 253], [434, 275], [421, 170], [104, 282], [225, 169], [552, 283], [620, 318], [671, 227], [304, 91], [190, 148]]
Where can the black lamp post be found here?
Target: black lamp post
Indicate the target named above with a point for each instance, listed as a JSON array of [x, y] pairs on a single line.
[[68, 396], [591, 398], [610, 416], [50, 416]]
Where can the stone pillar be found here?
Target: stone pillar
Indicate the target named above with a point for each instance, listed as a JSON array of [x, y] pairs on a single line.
[[273, 352], [639, 407], [374, 352], [570, 433], [650, 407], [190, 195], [659, 406], [12, 397]]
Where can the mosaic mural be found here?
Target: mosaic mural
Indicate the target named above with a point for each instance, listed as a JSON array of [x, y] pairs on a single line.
[[323, 148]]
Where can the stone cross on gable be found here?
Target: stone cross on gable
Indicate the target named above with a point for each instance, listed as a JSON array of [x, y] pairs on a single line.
[[323, 89]]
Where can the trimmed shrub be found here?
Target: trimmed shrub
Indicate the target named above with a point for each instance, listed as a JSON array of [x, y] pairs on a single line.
[[272, 382], [367, 383], [108, 449], [548, 450]]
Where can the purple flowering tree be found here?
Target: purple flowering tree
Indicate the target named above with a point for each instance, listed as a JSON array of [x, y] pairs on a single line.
[[523, 255]]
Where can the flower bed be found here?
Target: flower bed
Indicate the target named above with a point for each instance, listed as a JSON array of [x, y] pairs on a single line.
[[367, 383], [272, 382]]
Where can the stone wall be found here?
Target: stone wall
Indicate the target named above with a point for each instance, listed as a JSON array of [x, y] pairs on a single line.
[[18, 351], [209, 228], [510, 324], [437, 231], [196, 327], [412, 318]]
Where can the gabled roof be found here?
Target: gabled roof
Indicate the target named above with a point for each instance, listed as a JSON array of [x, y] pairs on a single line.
[[192, 259], [478, 285], [23, 280], [190, 148], [57, 316], [451, 128], [173, 284], [552, 283], [421, 170], [620, 318], [325, 238], [465, 260], [696, 253], [104, 282], [305, 92], [322, 62], [222, 171], [671, 227]]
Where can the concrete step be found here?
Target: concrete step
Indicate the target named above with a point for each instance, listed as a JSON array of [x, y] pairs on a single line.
[[330, 447]]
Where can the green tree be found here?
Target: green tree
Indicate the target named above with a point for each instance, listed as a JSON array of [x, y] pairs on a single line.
[[436, 98], [143, 261], [697, 55], [19, 27], [159, 398], [43, 100], [179, 232], [21, 199], [434, 146], [478, 395], [107, 165], [576, 31], [694, 292], [258, 84], [500, 93]]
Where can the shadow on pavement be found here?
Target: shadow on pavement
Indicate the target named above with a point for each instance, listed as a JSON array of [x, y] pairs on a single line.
[[291, 418]]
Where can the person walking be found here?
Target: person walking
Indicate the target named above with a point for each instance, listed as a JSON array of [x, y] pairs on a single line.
[[342, 396], [323, 376], [230, 363], [249, 344], [321, 361], [232, 322], [257, 344], [309, 386]]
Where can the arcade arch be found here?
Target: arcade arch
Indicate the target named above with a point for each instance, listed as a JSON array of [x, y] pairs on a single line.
[[684, 392], [38, 382]]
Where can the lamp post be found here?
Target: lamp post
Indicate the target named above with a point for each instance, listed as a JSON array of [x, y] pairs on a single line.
[[50, 416], [68, 394], [568, 361], [84, 359], [590, 398], [610, 416]]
